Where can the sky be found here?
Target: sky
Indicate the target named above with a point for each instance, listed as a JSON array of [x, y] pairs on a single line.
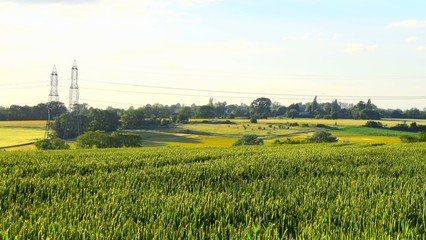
[[138, 52]]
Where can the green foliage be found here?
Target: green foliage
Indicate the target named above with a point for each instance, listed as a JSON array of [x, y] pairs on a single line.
[[292, 113], [261, 107], [100, 139], [133, 119], [66, 125], [184, 114], [413, 127], [206, 111], [248, 140], [125, 140], [253, 120], [51, 144], [104, 120], [287, 141], [408, 139], [422, 136], [267, 192], [321, 137], [373, 124], [165, 122]]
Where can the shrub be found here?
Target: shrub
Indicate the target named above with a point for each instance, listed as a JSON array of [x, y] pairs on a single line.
[[51, 144], [408, 139], [373, 124], [321, 137], [248, 140], [126, 140], [287, 141], [100, 139], [253, 120], [165, 122], [295, 124], [422, 137]]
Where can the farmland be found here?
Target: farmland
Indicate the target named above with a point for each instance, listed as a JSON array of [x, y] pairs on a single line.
[[308, 191], [222, 133], [200, 132], [20, 132]]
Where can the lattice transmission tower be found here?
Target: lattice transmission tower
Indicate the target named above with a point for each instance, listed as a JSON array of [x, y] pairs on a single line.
[[74, 91], [74, 96], [53, 100]]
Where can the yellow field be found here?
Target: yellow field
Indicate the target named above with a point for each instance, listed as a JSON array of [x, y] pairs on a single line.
[[25, 124], [20, 132]]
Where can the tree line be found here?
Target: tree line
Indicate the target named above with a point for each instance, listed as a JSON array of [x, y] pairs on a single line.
[[111, 119]]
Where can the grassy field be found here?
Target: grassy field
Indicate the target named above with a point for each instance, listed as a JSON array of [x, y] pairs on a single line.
[[20, 132], [309, 191], [197, 133]]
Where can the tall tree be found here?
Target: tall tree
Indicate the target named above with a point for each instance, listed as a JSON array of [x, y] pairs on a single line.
[[206, 111], [133, 119], [261, 107], [368, 105], [314, 106]]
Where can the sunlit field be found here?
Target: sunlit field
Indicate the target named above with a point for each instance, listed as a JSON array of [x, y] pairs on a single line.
[[20, 132], [307, 191], [201, 134]]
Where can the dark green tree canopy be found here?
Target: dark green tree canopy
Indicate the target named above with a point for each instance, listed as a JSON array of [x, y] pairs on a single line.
[[261, 107], [248, 140]]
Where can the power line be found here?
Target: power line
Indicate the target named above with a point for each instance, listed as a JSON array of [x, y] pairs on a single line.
[[342, 97], [243, 97], [183, 95], [193, 72], [21, 83]]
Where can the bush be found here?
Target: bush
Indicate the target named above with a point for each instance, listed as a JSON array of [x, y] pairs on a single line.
[[100, 139], [422, 137], [165, 122], [287, 141], [373, 124], [51, 144], [321, 137], [126, 140], [253, 120], [248, 140], [408, 139]]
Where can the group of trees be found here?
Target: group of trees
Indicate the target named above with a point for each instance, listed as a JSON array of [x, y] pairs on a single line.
[[100, 139], [111, 119], [38, 112], [317, 137]]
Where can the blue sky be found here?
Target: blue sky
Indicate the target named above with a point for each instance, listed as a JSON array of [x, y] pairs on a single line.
[[135, 52]]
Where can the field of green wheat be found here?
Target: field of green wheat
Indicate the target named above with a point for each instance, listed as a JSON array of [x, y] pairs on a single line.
[[309, 191]]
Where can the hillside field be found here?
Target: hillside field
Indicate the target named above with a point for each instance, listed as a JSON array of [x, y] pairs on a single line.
[[308, 191], [202, 132], [218, 133]]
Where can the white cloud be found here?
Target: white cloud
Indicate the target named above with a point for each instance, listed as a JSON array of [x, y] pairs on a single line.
[[409, 24], [421, 48], [306, 37], [359, 48], [411, 40], [196, 2]]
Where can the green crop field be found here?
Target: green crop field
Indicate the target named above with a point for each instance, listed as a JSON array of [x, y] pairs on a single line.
[[309, 191], [200, 133]]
